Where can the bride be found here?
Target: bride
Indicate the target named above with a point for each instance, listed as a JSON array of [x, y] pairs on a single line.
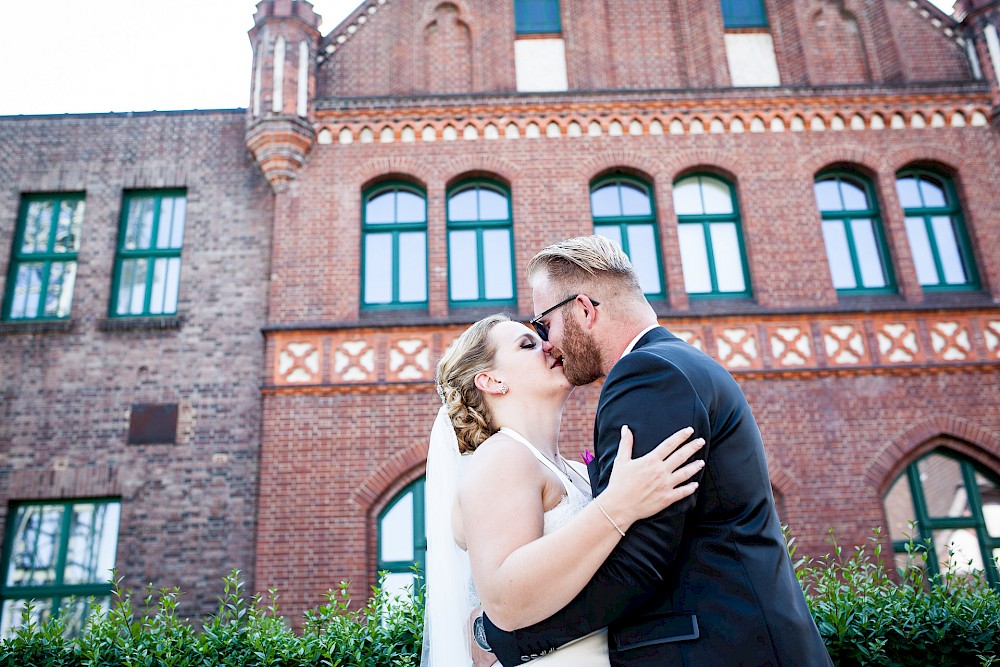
[[516, 515]]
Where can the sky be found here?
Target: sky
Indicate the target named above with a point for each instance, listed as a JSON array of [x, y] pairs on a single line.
[[94, 56]]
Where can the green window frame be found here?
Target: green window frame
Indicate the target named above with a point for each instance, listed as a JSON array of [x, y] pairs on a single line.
[[481, 269], [58, 555], [743, 14], [44, 257], [533, 17], [856, 249], [946, 504], [713, 255], [936, 231], [394, 270], [148, 260], [402, 539], [623, 210]]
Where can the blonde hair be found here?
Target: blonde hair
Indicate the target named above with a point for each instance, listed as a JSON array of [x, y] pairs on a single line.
[[473, 353], [586, 260]]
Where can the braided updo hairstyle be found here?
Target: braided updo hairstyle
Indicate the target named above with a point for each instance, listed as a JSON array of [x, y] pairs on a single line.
[[473, 353]]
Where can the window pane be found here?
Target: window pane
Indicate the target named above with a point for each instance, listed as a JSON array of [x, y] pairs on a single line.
[[635, 202], [27, 291], [173, 285], [643, 252], [604, 202], [68, 228], [743, 14], [463, 266], [989, 493], [12, 610], [497, 266], [378, 268], [159, 285], [899, 511], [958, 550], [38, 220], [944, 491], [396, 531], [139, 227], [177, 226], [613, 232], [855, 198], [493, 205], [694, 259], [838, 254], [398, 586], [462, 206], [933, 192], [920, 246], [827, 195], [166, 220], [62, 276], [92, 542], [687, 197], [717, 195], [536, 16], [33, 552], [410, 207], [381, 208], [906, 188], [948, 252], [728, 259], [412, 267], [869, 259]]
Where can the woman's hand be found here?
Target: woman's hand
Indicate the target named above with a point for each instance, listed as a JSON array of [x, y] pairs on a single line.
[[642, 487]]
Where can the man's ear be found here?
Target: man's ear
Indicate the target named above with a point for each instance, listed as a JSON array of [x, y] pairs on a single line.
[[589, 311]]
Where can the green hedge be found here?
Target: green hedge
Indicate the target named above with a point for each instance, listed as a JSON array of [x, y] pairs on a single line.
[[866, 617]]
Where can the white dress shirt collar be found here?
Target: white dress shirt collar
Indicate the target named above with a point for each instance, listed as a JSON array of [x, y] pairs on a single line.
[[636, 339]]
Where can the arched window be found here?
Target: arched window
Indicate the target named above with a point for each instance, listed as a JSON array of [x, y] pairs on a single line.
[[401, 539], [708, 229], [623, 211], [480, 245], [956, 510], [934, 226], [394, 244], [852, 231]]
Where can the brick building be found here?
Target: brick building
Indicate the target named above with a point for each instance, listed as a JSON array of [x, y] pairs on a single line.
[[807, 189]]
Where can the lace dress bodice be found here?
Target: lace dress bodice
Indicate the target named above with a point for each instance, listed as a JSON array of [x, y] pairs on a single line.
[[571, 504]]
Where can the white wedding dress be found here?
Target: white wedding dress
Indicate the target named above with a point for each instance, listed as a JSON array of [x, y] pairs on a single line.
[[591, 650], [451, 595]]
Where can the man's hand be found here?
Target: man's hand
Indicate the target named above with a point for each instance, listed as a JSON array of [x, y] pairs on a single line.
[[480, 658]]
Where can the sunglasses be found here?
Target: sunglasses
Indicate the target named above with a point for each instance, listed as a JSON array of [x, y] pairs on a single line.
[[541, 328]]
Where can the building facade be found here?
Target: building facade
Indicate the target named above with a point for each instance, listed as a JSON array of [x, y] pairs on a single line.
[[242, 374]]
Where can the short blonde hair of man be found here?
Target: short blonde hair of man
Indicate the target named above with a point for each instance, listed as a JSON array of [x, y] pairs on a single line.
[[586, 261]]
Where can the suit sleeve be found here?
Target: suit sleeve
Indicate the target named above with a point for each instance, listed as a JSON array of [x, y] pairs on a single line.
[[655, 399]]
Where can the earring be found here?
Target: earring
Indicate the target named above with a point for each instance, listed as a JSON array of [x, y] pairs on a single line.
[[503, 389]]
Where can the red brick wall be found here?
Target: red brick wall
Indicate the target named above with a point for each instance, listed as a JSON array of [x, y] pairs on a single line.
[[188, 510], [642, 44]]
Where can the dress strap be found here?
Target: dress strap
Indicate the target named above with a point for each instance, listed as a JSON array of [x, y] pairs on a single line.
[[511, 433]]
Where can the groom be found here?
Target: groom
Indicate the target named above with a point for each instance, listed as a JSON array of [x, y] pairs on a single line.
[[708, 581]]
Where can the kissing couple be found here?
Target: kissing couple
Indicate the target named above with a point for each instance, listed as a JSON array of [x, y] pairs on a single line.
[[664, 550]]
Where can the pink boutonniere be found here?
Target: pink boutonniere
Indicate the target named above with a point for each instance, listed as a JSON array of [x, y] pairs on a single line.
[[587, 457]]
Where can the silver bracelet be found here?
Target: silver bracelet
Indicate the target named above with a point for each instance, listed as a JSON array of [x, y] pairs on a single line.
[[605, 513]]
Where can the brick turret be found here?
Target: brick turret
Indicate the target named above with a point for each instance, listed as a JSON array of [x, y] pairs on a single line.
[[280, 134]]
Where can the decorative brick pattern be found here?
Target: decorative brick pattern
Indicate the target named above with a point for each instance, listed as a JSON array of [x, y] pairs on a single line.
[[844, 344], [950, 340], [409, 360], [298, 362], [991, 334], [354, 361], [791, 346], [898, 343]]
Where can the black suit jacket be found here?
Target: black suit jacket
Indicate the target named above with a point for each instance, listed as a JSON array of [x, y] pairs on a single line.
[[708, 581]]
